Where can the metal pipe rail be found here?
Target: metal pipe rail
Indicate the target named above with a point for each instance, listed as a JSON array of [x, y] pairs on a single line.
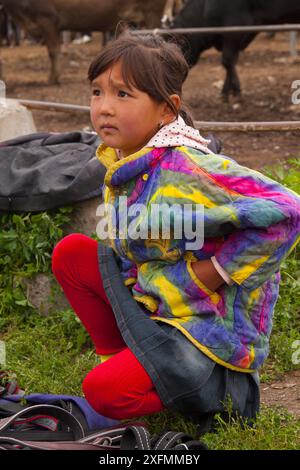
[[220, 29], [52, 106], [272, 126], [267, 126]]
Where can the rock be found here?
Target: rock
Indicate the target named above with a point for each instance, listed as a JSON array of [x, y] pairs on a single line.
[[43, 292], [15, 120], [84, 219], [45, 295]]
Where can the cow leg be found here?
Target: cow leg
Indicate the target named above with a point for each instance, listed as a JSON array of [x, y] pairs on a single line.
[[51, 36], [229, 60], [54, 53], [17, 34]]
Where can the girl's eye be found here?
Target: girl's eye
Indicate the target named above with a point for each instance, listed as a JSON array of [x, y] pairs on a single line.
[[122, 94], [96, 92]]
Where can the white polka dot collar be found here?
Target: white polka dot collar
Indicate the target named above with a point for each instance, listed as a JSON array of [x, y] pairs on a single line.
[[178, 133]]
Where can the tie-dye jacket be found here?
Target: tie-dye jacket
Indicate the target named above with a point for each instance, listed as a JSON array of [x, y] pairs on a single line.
[[251, 223]]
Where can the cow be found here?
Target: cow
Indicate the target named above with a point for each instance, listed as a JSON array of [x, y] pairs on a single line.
[[3, 24], [205, 13], [9, 32], [47, 18], [172, 8]]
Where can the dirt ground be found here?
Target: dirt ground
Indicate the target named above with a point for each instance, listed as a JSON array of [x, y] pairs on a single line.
[[284, 392], [266, 71]]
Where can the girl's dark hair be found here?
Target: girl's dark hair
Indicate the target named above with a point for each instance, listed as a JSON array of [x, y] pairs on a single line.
[[150, 64]]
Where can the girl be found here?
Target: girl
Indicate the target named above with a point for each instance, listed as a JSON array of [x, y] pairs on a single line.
[[177, 327]]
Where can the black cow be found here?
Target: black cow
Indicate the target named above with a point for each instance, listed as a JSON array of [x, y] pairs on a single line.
[[9, 31], [205, 13], [3, 24]]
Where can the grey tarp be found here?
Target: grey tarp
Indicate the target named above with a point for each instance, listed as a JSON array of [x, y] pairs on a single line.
[[43, 171]]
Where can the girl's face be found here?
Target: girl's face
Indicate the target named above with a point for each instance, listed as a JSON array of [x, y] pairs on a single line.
[[125, 118]]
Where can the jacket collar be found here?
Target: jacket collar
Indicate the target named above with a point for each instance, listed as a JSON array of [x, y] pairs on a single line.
[[120, 171], [175, 134], [179, 133]]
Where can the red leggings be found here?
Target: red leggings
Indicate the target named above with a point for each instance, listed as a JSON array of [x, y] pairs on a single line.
[[119, 388]]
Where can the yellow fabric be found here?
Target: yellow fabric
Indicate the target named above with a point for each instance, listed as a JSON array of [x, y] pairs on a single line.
[[105, 357]]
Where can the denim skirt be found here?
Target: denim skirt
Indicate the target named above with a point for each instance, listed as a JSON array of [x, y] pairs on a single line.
[[186, 380]]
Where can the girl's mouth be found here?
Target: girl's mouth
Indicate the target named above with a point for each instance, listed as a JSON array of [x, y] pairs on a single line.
[[107, 127]]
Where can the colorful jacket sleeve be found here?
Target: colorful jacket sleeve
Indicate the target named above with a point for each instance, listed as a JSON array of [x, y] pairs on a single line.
[[268, 225], [258, 218]]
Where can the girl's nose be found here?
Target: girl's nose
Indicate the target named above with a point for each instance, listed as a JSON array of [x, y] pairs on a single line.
[[106, 106]]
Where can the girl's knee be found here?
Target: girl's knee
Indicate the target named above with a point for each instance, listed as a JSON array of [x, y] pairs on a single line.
[[66, 249], [103, 394], [96, 390]]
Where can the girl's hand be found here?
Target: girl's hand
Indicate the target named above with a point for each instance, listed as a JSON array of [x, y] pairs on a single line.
[[207, 274]]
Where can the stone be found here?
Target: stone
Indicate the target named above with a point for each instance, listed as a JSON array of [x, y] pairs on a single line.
[[15, 120], [45, 295], [43, 292], [84, 218]]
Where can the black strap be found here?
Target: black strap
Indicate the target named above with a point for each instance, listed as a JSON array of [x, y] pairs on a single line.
[[9, 443], [175, 441], [136, 437], [75, 411], [76, 430], [38, 435], [167, 440], [191, 445], [10, 408]]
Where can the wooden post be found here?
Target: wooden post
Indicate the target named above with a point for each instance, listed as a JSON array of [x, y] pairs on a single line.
[[66, 37], [2, 90], [293, 43]]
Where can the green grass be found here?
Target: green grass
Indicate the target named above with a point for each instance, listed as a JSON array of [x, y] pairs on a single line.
[[274, 429], [52, 354], [286, 318], [26, 244]]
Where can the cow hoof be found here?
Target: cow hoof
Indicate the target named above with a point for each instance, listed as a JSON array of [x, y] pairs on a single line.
[[238, 98], [232, 98], [236, 93], [225, 97]]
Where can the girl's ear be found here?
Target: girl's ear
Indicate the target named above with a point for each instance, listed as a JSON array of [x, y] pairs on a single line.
[[167, 113]]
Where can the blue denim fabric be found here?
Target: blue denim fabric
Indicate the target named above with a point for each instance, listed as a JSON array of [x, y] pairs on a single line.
[[186, 380]]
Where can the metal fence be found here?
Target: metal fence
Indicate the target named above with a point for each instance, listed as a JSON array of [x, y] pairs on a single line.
[[292, 28], [221, 29], [278, 126]]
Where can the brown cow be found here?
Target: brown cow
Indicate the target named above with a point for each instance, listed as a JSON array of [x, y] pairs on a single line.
[[45, 19], [172, 8]]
